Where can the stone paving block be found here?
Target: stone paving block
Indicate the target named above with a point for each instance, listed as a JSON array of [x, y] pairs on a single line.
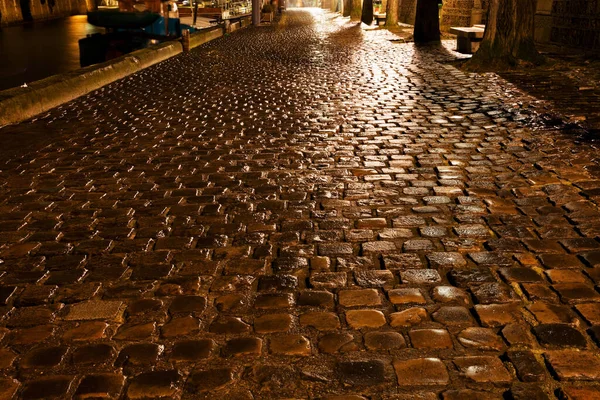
[[314, 298], [480, 338], [559, 335], [91, 310], [274, 301], [53, 387], [6, 293], [406, 296], [446, 260], [420, 276], [100, 386], [518, 335], [536, 291], [363, 297], [384, 340], [243, 346], [93, 354], [430, 339], [31, 316], [29, 336], [229, 326], [155, 384], [209, 380], [421, 372], [135, 331], [371, 372], [374, 278], [44, 357], [334, 342], [270, 323], [576, 292], [90, 330], [139, 354], [291, 345], [529, 391], [276, 283], [402, 261], [365, 318], [379, 247], [527, 366], [493, 292], [409, 317], [566, 276], [581, 393], [471, 394], [335, 249], [573, 365], [328, 280], [8, 387], [495, 315], [483, 369], [453, 316], [180, 326], [450, 294], [323, 321], [7, 357], [192, 350], [468, 277], [520, 275]]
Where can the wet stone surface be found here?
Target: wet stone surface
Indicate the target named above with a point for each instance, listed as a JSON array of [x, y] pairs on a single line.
[[302, 210]]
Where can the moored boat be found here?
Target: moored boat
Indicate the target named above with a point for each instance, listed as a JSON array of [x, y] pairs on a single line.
[[114, 19]]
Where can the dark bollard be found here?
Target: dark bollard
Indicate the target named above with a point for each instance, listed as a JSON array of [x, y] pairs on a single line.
[[185, 40]]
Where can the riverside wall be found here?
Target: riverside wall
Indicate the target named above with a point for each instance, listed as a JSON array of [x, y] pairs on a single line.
[[21, 103], [19, 11]]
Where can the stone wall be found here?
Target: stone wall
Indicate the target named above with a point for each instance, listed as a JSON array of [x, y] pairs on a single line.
[[572, 23], [454, 12], [576, 23], [16, 11], [463, 13]]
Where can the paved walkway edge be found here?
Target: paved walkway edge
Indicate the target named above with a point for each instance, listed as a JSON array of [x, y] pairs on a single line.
[[19, 104]]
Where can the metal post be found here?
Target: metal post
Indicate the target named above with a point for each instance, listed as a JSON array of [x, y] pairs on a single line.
[[185, 40], [256, 9], [195, 13]]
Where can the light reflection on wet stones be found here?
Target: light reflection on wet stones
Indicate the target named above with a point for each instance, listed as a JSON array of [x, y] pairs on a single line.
[[306, 196]]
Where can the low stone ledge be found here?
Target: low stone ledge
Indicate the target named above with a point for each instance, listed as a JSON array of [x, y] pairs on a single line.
[[204, 36], [21, 103]]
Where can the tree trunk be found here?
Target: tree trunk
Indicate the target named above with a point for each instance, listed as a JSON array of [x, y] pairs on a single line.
[[347, 8], [391, 13], [367, 12], [356, 10], [509, 35], [427, 22]]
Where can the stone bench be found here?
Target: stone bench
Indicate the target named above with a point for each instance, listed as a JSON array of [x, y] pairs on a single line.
[[379, 18], [468, 39]]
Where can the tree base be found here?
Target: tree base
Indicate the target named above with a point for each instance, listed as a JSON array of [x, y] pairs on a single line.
[[487, 61]]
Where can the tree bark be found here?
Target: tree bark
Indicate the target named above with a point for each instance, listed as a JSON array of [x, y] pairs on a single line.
[[427, 22], [367, 12], [509, 35], [391, 13], [347, 8], [355, 10]]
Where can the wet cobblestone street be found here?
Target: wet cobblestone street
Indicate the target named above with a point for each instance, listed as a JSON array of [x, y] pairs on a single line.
[[305, 210]]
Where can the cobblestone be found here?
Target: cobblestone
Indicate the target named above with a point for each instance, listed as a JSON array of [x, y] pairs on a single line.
[[308, 209]]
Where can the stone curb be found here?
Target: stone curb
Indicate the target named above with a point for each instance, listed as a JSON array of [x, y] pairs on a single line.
[[19, 104]]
